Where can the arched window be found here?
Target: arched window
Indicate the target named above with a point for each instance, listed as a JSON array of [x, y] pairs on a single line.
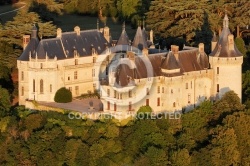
[[174, 104], [34, 85], [41, 86]]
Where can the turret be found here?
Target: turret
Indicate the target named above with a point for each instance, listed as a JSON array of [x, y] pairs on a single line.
[[226, 62]]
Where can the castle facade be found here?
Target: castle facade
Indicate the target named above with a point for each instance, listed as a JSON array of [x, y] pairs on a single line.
[[128, 74]]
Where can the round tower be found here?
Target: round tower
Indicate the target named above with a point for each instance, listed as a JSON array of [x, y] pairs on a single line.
[[226, 62]]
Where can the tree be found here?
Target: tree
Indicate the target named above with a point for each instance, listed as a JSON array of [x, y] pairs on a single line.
[[241, 46], [63, 95], [22, 24], [4, 102]]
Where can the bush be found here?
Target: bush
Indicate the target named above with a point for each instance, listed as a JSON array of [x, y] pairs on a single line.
[[63, 95], [145, 109]]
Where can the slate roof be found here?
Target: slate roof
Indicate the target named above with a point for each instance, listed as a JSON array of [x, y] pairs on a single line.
[[139, 39], [123, 40], [222, 47], [185, 60], [63, 47]]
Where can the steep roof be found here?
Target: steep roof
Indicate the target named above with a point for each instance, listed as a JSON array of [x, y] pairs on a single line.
[[139, 39], [185, 60], [170, 62], [123, 40], [222, 46], [29, 50], [63, 47]]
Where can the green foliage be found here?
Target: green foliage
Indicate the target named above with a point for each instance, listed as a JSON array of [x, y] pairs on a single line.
[[4, 102], [144, 109], [198, 138], [90, 95], [178, 18], [63, 95], [241, 45], [22, 23]]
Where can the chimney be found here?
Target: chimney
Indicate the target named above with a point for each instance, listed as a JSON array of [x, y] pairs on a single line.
[[131, 55], [106, 33], [175, 51], [230, 40], [26, 40], [201, 48], [34, 32], [77, 30], [59, 33]]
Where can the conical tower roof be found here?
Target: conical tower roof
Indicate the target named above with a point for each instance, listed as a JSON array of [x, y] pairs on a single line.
[[222, 46], [123, 40], [139, 39]]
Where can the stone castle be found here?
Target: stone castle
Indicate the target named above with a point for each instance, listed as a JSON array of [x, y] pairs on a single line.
[[128, 74]]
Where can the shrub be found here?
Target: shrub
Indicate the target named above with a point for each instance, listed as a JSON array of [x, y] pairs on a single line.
[[63, 95], [145, 109]]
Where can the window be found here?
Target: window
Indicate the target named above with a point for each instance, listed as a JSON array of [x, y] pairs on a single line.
[[130, 106], [108, 92], [147, 91], [121, 96], [22, 76], [50, 88], [218, 88], [186, 85], [94, 85], [41, 65], [107, 70], [77, 90], [158, 89], [75, 75], [174, 104], [115, 107], [191, 84], [162, 89], [94, 59], [114, 93], [172, 91], [130, 93], [189, 98], [34, 85], [147, 102], [22, 91], [158, 101], [108, 105], [68, 78], [218, 70], [93, 72], [41, 86], [76, 61], [70, 89]]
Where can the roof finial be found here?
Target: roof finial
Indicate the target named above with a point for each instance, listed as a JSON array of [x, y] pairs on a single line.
[[97, 24], [225, 20], [123, 26], [143, 22]]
